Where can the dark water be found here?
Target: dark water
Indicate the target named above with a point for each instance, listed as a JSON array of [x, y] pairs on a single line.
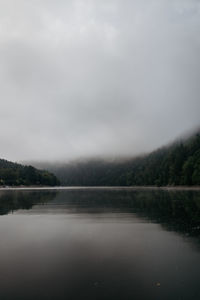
[[99, 244]]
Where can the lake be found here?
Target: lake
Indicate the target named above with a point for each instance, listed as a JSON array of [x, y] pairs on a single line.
[[99, 244]]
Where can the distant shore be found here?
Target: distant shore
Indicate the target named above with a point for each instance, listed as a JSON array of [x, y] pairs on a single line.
[[168, 188]]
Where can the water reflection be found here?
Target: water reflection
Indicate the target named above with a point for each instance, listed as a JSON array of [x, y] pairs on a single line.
[[175, 210], [11, 201], [99, 244]]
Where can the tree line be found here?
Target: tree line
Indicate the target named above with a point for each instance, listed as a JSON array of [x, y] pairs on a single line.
[[13, 174], [177, 164]]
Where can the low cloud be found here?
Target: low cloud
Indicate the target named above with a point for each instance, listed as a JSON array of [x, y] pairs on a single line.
[[87, 77]]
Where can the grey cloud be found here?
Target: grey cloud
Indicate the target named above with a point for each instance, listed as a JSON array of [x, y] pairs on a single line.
[[85, 78]]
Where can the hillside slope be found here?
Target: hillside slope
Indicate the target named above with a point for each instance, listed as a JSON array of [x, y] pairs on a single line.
[[17, 174], [177, 164]]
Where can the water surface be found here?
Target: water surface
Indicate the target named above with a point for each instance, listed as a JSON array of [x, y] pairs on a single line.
[[99, 244]]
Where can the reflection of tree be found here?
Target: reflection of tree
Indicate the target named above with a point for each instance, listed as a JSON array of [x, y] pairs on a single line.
[[175, 210], [14, 200], [179, 211]]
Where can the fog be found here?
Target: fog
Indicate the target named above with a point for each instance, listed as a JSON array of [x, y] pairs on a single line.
[[96, 78]]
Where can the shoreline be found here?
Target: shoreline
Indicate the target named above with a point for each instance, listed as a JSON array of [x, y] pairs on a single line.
[[166, 188]]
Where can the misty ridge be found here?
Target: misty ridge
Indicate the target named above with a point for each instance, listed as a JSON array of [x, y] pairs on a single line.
[[172, 165], [176, 164]]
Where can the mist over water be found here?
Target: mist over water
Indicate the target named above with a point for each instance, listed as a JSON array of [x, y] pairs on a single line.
[[96, 78]]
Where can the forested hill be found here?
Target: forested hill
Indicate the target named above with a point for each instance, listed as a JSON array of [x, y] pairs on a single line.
[[17, 174], [178, 164]]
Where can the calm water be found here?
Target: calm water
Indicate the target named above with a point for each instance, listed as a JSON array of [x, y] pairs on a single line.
[[99, 244]]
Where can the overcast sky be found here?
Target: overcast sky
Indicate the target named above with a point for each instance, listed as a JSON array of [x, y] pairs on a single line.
[[96, 77]]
